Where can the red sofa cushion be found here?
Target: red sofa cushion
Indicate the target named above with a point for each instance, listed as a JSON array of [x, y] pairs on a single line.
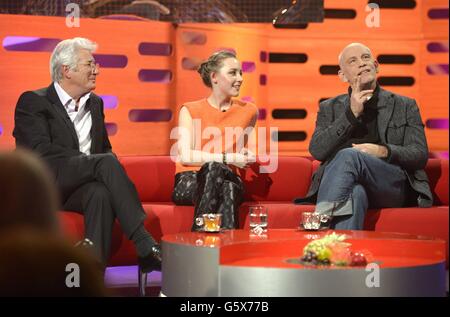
[[290, 179], [413, 220], [430, 222], [437, 171], [72, 225], [153, 176]]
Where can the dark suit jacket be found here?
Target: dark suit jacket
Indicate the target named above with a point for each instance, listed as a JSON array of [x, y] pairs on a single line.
[[43, 125], [400, 128]]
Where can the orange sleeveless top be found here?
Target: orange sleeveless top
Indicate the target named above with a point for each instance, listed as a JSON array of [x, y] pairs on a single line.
[[209, 123]]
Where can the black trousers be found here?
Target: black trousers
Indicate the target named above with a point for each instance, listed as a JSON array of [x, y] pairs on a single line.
[[213, 189], [98, 186]]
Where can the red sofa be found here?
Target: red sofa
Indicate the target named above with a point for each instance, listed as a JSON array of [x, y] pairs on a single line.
[[154, 178]]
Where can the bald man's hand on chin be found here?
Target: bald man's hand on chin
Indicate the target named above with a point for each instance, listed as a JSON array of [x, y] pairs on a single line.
[[359, 97]]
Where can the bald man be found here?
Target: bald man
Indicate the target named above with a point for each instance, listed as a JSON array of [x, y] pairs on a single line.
[[372, 146]]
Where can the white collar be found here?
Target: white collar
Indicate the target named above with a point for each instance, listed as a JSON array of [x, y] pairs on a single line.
[[65, 98]]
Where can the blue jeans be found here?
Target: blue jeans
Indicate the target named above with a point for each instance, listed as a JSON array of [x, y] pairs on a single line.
[[354, 181]]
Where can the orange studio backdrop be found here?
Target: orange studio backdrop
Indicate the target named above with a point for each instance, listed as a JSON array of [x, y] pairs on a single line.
[[148, 69]]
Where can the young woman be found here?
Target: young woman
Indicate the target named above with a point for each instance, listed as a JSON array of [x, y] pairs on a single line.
[[214, 135]]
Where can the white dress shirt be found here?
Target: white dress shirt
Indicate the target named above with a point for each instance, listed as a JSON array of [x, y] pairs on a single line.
[[80, 116]]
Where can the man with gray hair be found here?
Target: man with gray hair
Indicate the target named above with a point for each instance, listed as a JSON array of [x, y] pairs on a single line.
[[64, 124], [372, 146]]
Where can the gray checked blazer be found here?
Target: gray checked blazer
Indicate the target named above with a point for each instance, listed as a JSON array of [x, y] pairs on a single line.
[[400, 128]]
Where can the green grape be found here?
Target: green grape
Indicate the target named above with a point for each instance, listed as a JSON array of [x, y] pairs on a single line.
[[324, 254], [315, 246]]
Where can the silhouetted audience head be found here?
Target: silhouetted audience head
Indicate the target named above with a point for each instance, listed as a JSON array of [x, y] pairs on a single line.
[[27, 193], [33, 255], [35, 263]]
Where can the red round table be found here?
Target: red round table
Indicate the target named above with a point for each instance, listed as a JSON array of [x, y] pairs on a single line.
[[239, 263]]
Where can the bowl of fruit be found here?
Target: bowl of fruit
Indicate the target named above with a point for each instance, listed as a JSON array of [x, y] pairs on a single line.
[[332, 250]]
